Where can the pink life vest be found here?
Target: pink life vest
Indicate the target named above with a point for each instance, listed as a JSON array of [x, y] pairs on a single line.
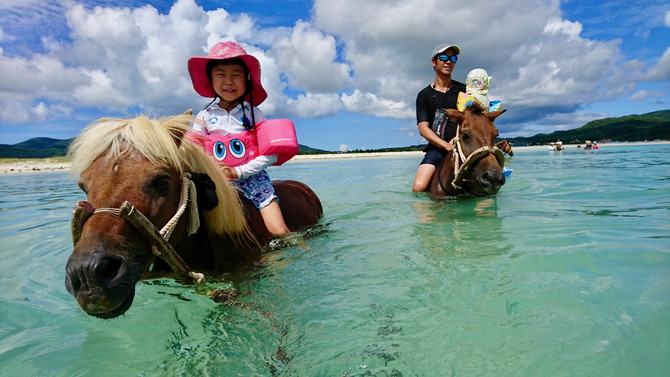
[[274, 136]]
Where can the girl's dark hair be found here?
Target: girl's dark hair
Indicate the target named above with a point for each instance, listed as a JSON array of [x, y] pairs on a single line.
[[217, 62], [232, 61]]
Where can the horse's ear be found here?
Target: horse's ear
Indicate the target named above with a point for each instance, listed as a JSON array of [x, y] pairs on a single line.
[[494, 114], [177, 136], [455, 115], [178, 140], [178, 133]]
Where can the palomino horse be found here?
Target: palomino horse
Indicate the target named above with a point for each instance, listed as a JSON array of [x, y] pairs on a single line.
[[475, 165], [505, 147], [141, 175]]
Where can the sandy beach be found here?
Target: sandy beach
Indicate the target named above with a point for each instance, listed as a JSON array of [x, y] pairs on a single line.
[[38, 165], [33, 165]]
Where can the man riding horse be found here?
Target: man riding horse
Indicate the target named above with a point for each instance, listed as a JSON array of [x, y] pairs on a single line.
[[460, 144], [442, 93]]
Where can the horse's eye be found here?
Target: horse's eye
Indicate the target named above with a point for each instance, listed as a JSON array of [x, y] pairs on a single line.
[[159, 185], [219, 151], [465, 136], [237, 148]]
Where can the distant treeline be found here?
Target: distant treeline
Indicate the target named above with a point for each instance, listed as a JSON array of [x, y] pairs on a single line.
[[645, 127]]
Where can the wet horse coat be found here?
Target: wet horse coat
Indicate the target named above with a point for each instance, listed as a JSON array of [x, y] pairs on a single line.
[[152, 193]]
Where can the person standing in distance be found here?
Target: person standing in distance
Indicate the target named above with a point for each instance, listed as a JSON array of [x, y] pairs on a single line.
[[442, 93]]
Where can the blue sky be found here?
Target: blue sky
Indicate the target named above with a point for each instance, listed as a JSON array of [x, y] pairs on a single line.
[[346, 72]]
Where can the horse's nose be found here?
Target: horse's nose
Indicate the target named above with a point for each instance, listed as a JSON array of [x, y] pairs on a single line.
[[501, 180], [101, 270], [491, 179]]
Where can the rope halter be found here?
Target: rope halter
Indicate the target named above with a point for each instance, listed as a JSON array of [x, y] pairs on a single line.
[[464, 165], [159, 240]]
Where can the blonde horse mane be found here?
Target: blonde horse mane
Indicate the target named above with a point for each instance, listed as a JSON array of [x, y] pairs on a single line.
[[163, 143]]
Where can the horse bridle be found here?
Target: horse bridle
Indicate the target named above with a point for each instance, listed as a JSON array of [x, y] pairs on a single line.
[[159, 240], [465, 164]]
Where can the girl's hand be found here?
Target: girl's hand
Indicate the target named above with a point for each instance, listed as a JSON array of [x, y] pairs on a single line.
[[229, 172]]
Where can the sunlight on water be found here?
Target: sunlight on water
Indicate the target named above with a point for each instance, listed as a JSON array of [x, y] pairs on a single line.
[[565, 273]]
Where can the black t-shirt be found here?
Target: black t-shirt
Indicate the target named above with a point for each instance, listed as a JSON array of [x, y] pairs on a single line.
[[429, 100]]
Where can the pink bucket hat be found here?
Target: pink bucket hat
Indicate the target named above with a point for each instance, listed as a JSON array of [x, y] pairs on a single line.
[[197, 68]]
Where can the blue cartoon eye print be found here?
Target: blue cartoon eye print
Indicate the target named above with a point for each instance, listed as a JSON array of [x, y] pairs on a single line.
[[237, 148], [219, 151], [232, 151]]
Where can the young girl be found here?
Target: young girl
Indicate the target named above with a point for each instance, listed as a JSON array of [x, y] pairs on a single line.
[[233, 77]]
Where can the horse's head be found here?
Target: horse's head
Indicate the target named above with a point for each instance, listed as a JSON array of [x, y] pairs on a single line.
[[505, 147], [142, 162], [479, 163]]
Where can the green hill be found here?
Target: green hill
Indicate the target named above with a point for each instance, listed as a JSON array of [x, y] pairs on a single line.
[[645, 127], [38, 147], [303, 149]]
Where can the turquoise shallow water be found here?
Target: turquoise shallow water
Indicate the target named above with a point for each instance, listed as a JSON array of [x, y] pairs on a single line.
[[565, 273]]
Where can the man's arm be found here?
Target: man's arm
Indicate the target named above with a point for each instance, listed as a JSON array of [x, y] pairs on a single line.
[[431, 136]]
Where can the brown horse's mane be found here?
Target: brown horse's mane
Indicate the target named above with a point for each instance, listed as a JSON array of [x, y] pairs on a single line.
[[163, 143], [475, 109]]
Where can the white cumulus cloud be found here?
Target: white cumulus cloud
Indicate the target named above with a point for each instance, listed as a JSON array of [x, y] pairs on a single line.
[[369, 57], [308, 58]]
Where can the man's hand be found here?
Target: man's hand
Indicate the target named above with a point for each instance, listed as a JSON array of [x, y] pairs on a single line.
[[449, 147]]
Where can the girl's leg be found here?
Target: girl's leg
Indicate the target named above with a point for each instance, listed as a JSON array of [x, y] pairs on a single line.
[[274, 220]]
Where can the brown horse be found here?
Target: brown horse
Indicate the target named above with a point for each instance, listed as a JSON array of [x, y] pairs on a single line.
[[475, 165], [505, 147], [141, 175]]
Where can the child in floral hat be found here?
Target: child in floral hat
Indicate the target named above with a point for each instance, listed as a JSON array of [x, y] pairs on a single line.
[[233, 77]]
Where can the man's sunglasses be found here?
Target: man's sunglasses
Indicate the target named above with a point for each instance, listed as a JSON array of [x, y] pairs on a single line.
[[446, 58]]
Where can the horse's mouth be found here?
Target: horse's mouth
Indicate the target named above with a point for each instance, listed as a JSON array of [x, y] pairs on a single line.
[[484, 190], [97, 311], [121, 309], [491, 190], [102, 303]]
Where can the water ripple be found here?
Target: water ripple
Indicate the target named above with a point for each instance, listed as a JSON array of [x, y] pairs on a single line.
[[564, 272]]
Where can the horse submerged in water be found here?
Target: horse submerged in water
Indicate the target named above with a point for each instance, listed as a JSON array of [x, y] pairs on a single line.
[[475, 165], [141, 175]]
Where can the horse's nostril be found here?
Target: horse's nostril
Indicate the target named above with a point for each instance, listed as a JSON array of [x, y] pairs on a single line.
[[500, 181], [72, 282], [107, 269]]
